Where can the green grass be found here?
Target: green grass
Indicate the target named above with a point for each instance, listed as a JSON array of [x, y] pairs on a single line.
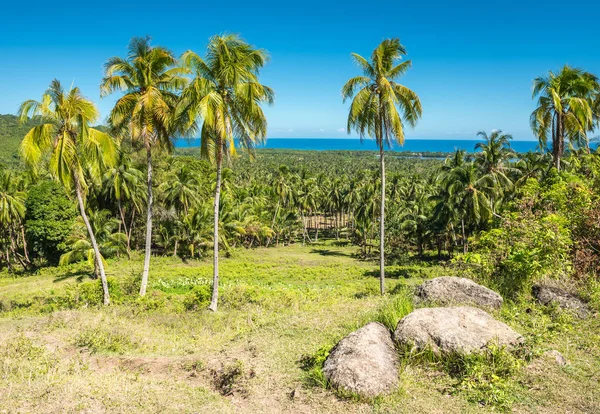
[[282, 310]]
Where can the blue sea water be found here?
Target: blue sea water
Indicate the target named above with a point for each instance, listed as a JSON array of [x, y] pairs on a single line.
[[410, 145]]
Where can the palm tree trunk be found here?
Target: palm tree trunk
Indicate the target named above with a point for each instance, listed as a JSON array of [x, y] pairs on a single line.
[[25, 250], [382, 223], [127, 233], [215, 287], [558, 140], [98, 259], [464, 237], [148, 251]]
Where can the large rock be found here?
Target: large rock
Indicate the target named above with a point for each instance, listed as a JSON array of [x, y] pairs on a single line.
[[548, 295], [456, 329], [364, 362], [448, 290]]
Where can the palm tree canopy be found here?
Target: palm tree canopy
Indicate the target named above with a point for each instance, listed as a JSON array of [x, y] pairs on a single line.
[[379, 103], [225, 95], [569, 94], [150, 78], [66, 134]]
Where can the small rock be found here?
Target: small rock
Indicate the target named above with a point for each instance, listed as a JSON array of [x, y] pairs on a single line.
[[548, 295], [448, 290], [460, 329], [364, 362], [560, 360]]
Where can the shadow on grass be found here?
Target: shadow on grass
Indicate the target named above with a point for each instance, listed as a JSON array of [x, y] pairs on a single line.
[[78, 274], [328, 252], [408, 273]]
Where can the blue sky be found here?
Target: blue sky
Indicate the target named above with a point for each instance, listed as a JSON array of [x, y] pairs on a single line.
[[473, 62]]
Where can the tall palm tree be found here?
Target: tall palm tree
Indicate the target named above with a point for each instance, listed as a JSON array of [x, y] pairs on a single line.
[[73, 145], [150, 79], [564, 111], [378, 108], [223, 103]]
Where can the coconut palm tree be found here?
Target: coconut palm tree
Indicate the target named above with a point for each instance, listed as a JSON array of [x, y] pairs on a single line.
[[564, 112], [150, 79], [122, 182], [12, 213], [468, 198], [378, 108], [73, 145], [223, 103], [493, 162]]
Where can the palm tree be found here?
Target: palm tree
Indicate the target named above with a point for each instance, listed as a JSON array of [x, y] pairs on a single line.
[[378, 107], [467, 197], [12, 213], [74, 147], [564, 111], [122, 182], [494, 162], [225, 97], [150, 80]]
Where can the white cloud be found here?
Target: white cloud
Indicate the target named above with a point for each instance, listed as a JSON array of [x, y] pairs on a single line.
[[322, 130], [290, 130], [341, 130]]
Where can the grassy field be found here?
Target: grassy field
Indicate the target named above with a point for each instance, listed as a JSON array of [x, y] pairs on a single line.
[[281, 310]]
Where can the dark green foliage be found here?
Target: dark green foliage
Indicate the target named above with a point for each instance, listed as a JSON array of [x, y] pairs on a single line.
[[49, 220]]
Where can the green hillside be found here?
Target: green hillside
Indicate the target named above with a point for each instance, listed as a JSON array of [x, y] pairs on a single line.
[[11, 134]]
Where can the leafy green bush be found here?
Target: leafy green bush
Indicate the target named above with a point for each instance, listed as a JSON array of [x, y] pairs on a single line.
[[198, 298], [49, 220], [313, 366]]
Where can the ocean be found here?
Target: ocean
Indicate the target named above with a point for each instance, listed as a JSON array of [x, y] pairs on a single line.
[[410, 145]]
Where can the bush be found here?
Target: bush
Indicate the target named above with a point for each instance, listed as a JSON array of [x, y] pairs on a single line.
[[49, 220], [198, 298]]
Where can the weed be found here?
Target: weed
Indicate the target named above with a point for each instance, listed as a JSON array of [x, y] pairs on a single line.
[[395, 309], [103, 340]]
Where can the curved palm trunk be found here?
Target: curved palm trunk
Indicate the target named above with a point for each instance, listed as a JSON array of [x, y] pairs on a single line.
[[148, 251], [98, 259], [215, 288], [382, 224]]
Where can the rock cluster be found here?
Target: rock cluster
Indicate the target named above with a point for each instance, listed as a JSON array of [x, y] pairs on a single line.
[[366, 362]]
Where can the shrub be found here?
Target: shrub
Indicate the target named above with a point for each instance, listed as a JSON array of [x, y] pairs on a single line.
[[49, 219], [198, 298]]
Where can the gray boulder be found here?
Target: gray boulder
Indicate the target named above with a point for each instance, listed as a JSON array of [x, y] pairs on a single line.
[[548, 295], [364, 362], [558, 358], [448, 290], [453, 330]]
